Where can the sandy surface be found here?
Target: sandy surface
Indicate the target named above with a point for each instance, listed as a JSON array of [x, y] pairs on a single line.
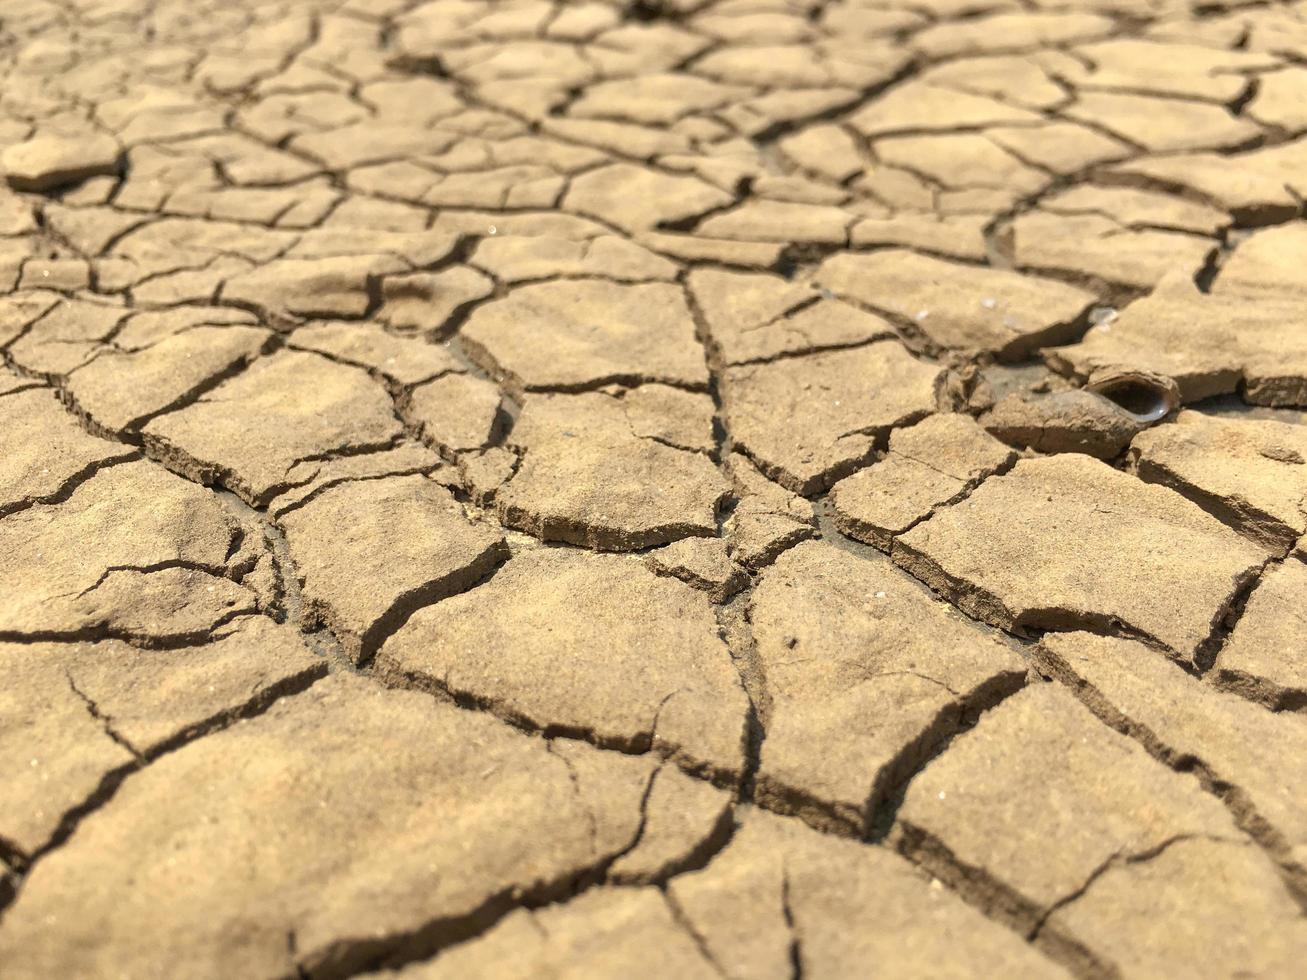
[[663, 488]]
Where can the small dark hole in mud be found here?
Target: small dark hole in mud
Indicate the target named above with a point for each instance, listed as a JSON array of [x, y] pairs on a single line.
[[646, 10], [1134, 397]]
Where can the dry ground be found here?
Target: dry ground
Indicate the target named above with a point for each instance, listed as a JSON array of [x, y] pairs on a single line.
[[616, 489]]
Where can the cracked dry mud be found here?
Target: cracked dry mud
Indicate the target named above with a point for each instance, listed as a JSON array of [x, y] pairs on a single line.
[[513, 488]]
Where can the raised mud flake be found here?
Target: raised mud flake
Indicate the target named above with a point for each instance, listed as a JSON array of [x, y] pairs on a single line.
[[414, 248], [1210, 345], [807, 421], [576, 335], [100, 563], [1254, 759], [1068, 542], [1136, 208], [312, 477], [1196, 72], [702, 563], [49, 161], [780, 891], [43, 451], [928, 466], [1268, 264], [457, 412], [76, 713], [827, 150], [591, 645], [685, 821], [958, 306], [961, 236], [311, 287], [148, 327], [614, 471], [1062, 147], [484, 472], [639, 199], [159, 246], [1013, 79], [370, 551], [602, 932], [1163, 125], [542, 64], [518, 258], [967, 164], [653, 99], [1040, 767], [867, 675], [1072, 420], [1228, 181], [1251, 473], [360, 145], [696, 248], [401, 360], [119, 390], [761, 220], [916, 106], [817, 64], [1093, 247], [52, 340], [71, 274], [767, 518], [301, 405], [426, 302], [228, 861], [90, 230], [753, 317], [1263, 658], [1009, 30], [1278, 101], [1161, 914]]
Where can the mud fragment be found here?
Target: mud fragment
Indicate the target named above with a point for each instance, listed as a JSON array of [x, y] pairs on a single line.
[[43, 452], [614, 471], [119, 391], [586, 334], [51, 160], [961, 307], [1262, 658], [1125, 823], [309, 776], [1244, 754], [97, 565], [928, 465], [1071, 421], [312, 408], [1210, 345], [767, 518], [1070, 543], [1250, 473], [81, 713], [593, 646], [702, 563], [854, 655], [807, 421], [781, 892], [369, 552]]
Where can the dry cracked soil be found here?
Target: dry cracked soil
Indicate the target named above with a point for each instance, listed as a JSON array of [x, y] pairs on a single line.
[[743, 489]]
